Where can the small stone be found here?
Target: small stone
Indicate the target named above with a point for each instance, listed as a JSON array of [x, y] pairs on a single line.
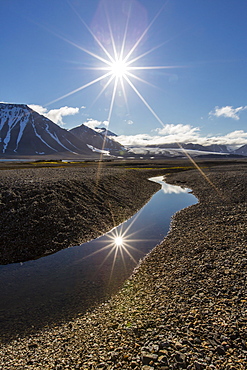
[[180, 357], [163, 345], [148, 357], [32, 345], [197, 340], [114, 355], [163, 360], [200, 365], [155, 348], [102, 365], [163, 352], [220, 350], [133, 364]]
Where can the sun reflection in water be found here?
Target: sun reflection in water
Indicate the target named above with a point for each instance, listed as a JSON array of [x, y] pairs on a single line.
[[117, 249], [118, 241]]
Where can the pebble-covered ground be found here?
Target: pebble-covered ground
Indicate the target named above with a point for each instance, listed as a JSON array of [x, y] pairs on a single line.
[[183, 308]]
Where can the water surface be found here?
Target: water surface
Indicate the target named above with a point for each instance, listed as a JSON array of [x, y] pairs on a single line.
[[66, 283]]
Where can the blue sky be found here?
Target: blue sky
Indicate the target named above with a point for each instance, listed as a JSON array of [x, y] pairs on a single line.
[[201, 97]]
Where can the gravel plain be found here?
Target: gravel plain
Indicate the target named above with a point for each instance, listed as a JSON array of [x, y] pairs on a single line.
[[184, 307]]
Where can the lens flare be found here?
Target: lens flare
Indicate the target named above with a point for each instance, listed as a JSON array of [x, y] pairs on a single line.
[[118, 60], [117, 246]]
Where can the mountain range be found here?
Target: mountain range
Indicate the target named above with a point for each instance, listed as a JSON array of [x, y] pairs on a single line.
[[181, 150], [26, 133]]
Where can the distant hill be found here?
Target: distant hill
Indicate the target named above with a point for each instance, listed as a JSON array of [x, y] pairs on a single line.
[[98, 138], [190, 146], [242, 150], [179, 150]]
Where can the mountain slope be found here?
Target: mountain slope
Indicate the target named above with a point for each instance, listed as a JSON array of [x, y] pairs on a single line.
[[25, 132], [242, 150], [97, 139]]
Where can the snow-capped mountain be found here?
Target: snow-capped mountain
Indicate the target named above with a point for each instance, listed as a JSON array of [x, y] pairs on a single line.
[[25, 132], [99, 139]]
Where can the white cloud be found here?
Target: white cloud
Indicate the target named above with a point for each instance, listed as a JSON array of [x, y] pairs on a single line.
[[227, 111], [55, 115], [183, 134], [235, 138], [93, 123], [38, 108], [179, 129], [170, 133]]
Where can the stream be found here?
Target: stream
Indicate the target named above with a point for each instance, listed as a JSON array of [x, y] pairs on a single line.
[[67, 283]]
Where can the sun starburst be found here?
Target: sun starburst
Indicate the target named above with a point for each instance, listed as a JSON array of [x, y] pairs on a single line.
[[118, 245], [118, 68], [118, 61]]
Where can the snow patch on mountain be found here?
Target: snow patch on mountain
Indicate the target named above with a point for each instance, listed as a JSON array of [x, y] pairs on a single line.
[[106, 152]]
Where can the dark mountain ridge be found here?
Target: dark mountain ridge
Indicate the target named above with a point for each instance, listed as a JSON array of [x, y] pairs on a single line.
[[24, 132], [98, 140]]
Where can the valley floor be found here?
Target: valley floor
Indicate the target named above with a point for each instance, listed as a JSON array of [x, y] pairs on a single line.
[[183, 308]]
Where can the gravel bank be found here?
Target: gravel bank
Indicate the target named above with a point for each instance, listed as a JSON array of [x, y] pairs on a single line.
[[183, 308], [43, 210]]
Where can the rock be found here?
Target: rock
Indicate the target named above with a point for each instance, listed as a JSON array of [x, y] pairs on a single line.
[[200, 365], [102, 365], [32, 345], [220, 350], [114, 356], [180, 357], [163, 360], [147, 358]]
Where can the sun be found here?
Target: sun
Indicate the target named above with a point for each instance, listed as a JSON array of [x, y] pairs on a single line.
[[118, 60], [118, 68]]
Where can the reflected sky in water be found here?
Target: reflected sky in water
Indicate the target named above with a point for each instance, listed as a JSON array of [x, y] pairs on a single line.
[[168, 188]]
